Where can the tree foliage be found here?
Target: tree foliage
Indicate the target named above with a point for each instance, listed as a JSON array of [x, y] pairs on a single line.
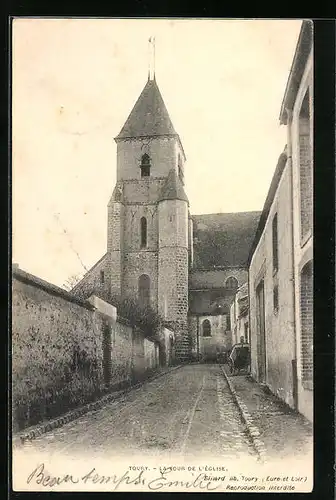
[[144, 318]]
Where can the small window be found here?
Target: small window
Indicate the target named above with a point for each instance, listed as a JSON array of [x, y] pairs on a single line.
[[206, 328], [143, 231], [275, 298], [231, 283], [102, 277], [145, 165], [275, 242]]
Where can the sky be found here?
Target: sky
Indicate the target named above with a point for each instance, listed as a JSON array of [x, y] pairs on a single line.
[[74, 84]]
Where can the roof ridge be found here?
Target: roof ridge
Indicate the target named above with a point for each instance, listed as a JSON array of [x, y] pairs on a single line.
[[228, 213]]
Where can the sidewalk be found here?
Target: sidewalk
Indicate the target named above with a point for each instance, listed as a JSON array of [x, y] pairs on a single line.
[[284, 432]]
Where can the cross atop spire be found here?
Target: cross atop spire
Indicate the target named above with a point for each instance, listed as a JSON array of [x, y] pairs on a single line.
[[151, 58]]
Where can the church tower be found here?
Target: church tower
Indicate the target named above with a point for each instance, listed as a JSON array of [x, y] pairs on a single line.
[[148, 215]]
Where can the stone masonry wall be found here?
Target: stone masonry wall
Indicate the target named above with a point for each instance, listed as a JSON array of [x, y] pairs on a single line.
[[162, 152], [173, 295], [66, 351], [121, 352], [216, 278], [173, 284], [134, 265], [137, 260], [132, 230], [204, 302], [192, 329], [220, 339], [115, 246], [144, 191], [173, 270], [173, 223], [57, 354]]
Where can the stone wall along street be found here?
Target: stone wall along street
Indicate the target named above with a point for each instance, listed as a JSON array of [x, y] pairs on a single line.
[[66, 351]]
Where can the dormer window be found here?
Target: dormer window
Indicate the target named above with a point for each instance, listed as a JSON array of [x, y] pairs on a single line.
[[145, 165]]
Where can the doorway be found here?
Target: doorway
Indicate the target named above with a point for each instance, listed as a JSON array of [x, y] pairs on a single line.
[[261, 338]]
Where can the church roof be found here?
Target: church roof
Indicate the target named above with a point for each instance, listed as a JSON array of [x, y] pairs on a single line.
[[149, 116], [173, 188], [223, 240]]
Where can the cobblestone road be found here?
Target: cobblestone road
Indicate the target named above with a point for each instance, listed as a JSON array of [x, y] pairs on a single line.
[[189, 411]]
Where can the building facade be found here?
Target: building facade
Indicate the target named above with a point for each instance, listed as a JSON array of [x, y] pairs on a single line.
[[281, 258], [186, 268], [239, 314], [221, 245]]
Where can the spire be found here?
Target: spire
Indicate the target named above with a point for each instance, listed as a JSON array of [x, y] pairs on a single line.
[[149, 116]]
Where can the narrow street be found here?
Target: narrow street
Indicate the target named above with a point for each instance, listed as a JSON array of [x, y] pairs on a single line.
[[186, 412]]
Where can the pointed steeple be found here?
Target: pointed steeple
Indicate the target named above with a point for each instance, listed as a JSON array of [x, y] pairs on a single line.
[[173, 188], [149, 116]]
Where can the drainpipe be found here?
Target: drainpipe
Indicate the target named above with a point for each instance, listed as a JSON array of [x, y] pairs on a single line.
[[290, 160]]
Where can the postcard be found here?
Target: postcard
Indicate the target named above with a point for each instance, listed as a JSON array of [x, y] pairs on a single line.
[[162, 274]]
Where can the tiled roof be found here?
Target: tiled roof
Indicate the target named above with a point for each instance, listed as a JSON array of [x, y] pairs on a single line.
[[223, 240], [149, 116], [173, 188]]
